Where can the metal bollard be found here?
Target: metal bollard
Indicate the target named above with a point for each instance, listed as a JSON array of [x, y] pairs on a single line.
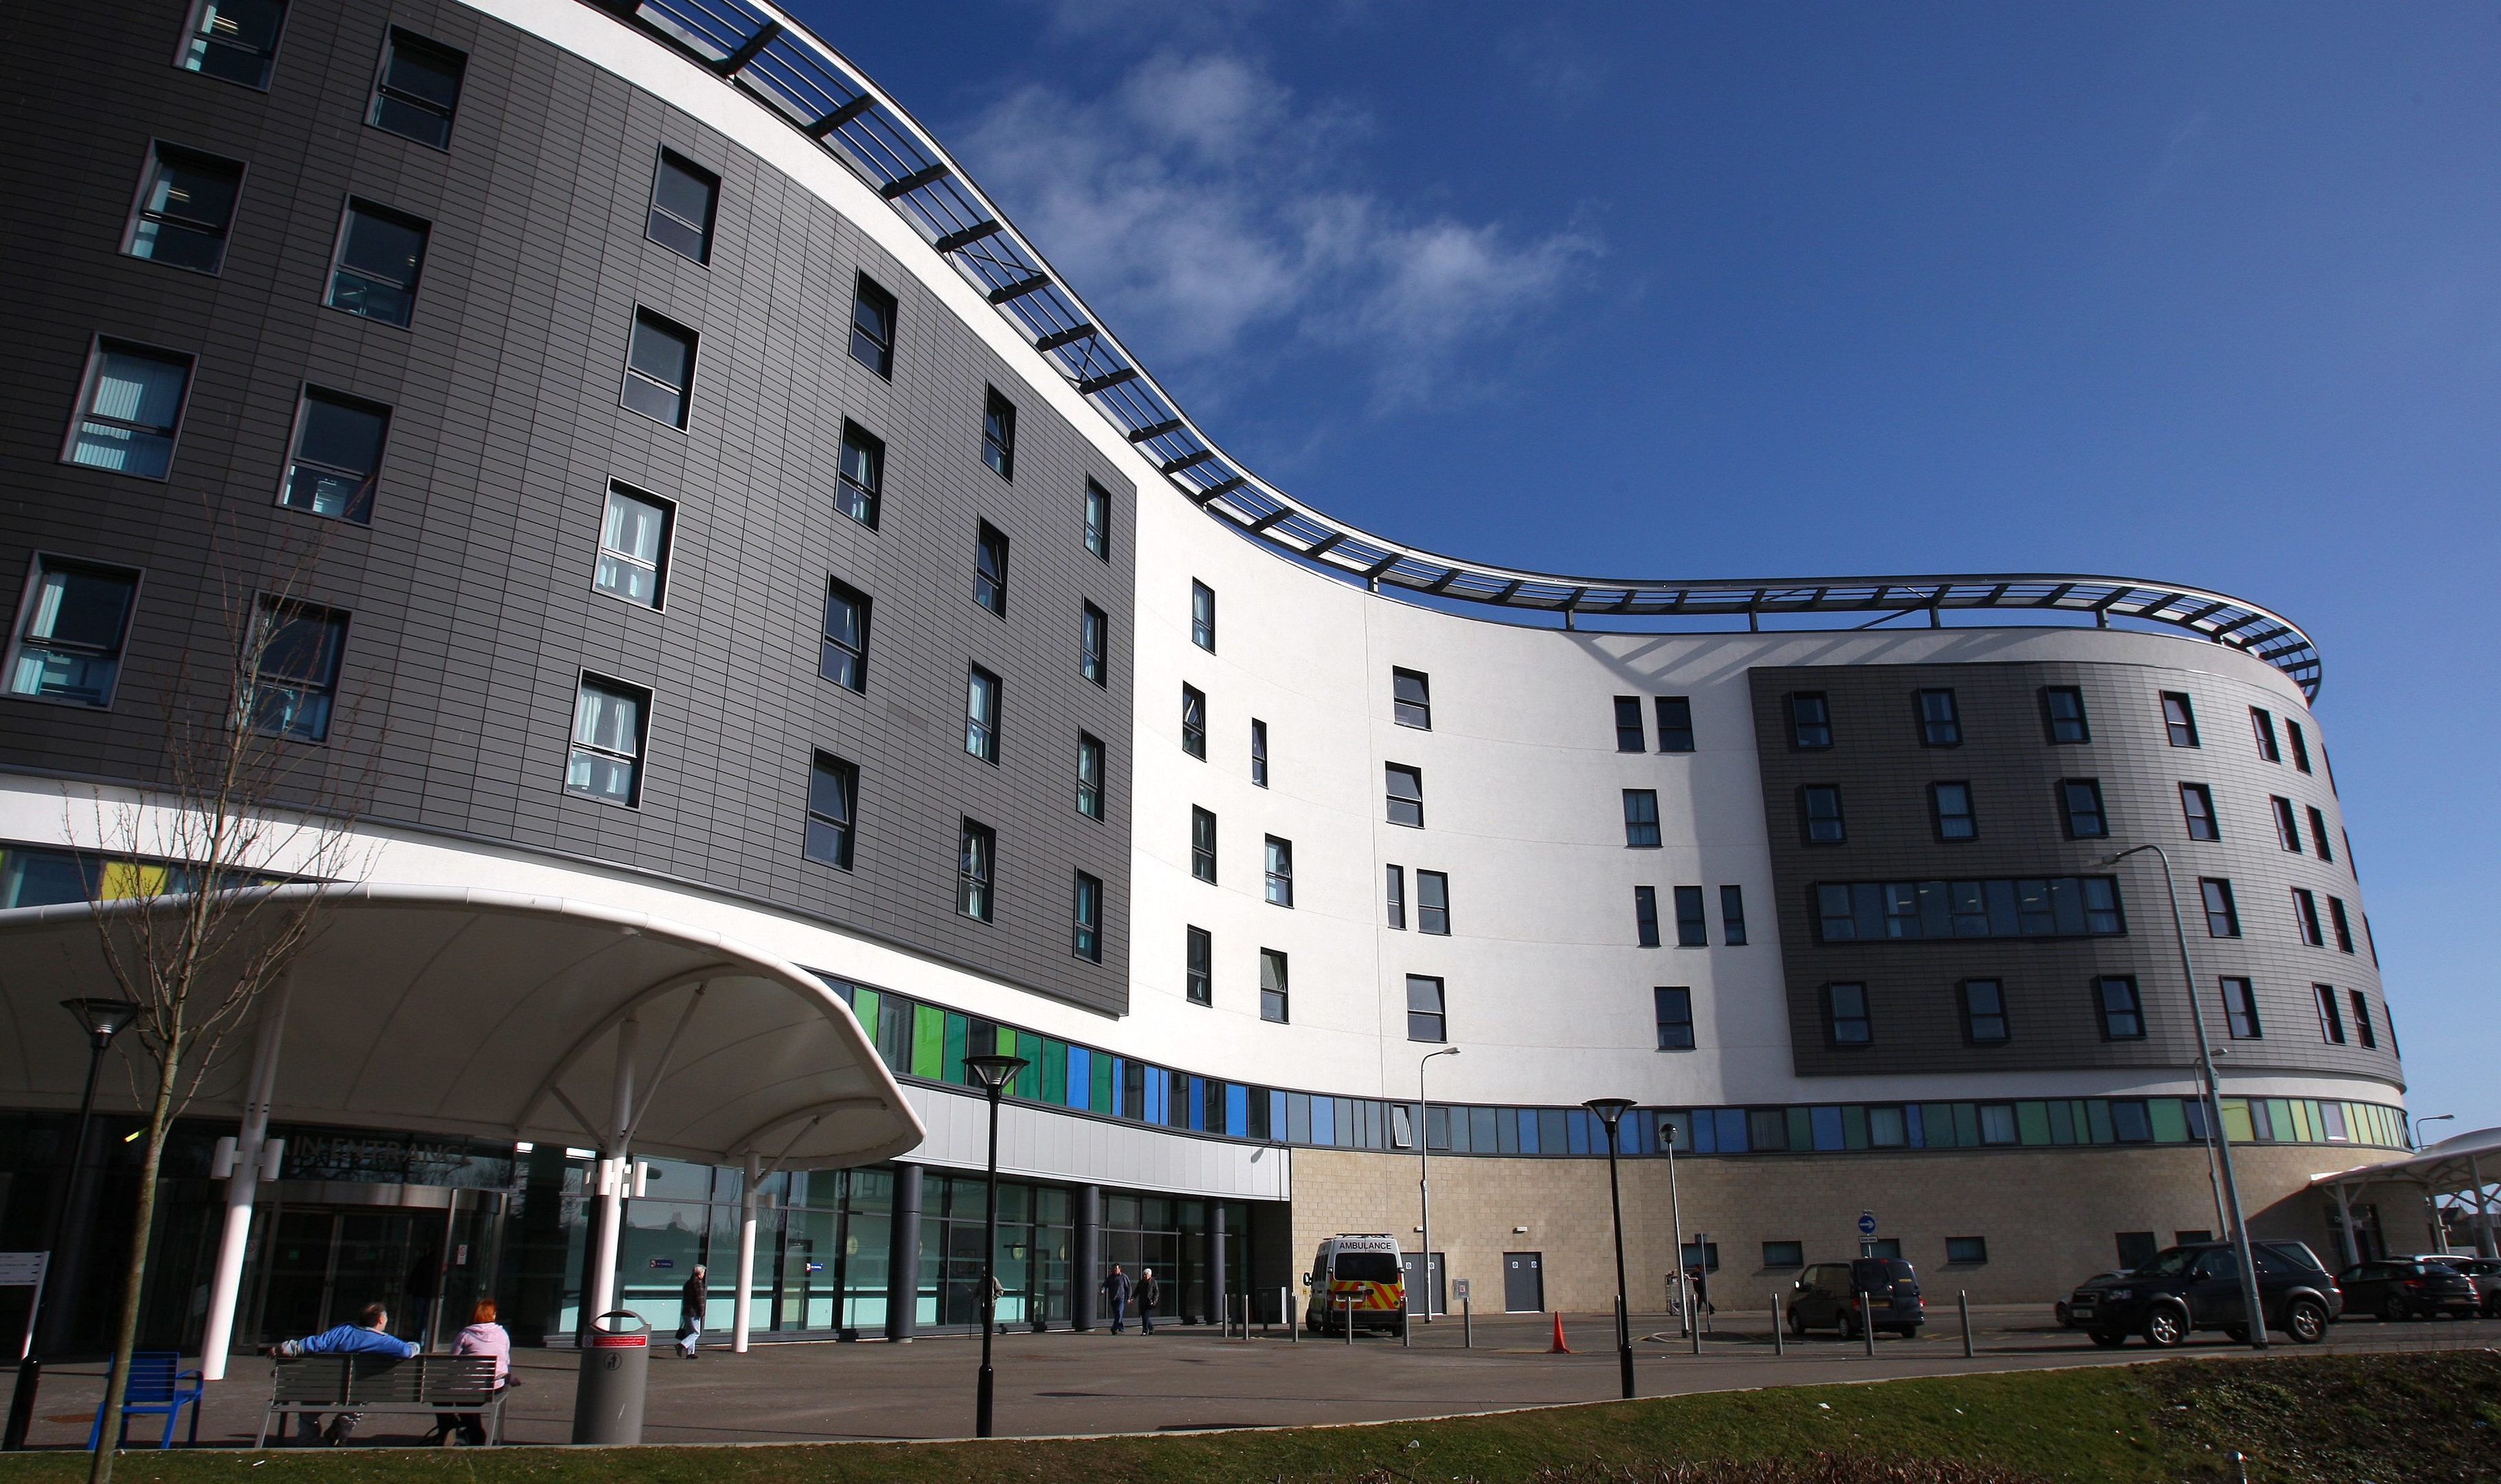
[[1467, 1324], [1962, 1303], [1350, 1321], [1294, 1320], [1697, 1325], [1867, 1322], [1779, 1342], [1406, 1324]]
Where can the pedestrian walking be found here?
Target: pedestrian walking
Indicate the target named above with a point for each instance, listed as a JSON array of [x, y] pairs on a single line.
[[692, 1301], [1150, 1294], [998, 1290], [370, 1336], [1115, 1296], [483, 1337]]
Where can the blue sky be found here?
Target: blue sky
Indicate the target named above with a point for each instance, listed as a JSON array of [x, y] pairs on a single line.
[[2208, 293]]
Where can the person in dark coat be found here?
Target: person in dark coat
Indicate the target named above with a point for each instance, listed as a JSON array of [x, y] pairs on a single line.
[[1150, 1294], [1115, 1296], [692, 1301]]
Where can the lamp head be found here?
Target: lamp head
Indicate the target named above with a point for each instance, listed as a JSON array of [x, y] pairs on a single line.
[[992, 1071], [102, 1019], [1610, 1110]]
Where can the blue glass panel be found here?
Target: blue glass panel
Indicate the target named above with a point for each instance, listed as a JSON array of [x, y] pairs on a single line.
[[1826, 1123], [1732, 1129], [1237, 1110]]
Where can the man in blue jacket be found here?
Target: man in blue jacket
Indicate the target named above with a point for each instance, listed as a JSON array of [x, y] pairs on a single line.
[[370, 1337]]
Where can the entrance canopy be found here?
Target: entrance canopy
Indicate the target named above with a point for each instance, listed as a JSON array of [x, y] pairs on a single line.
[[496, 1015], [2454, 1165]]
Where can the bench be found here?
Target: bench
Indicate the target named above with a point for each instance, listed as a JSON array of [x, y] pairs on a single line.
[[423, 1385]]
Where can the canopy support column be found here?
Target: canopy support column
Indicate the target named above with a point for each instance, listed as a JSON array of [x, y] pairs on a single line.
[[225, 1281], [2482, 1209], [744, 1312], [2345, 1224], [601, 1296]]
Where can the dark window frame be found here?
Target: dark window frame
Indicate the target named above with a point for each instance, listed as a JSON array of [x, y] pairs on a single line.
[[998, 434], [358, 508], [977, 870], [2215, 895], [383, 92], [1672, 1015], [2331, 1016], [1804, 730], [1090, 789], [862, 454], [991, 551], [1202, 615], [142, 215], [866, 293], [640, 757], [1974, 1013], [2300, 744], [82, 412], [272, 615], [2119, 1021], [1941, 821], [2319, 846], [1417, 713], [1394, 890], [1838, 1018], [2340, 924], [1094, 646], [2180, 728], [1198, 965], [2203, 814], [1431, 1027], [2051, 723], [1406, 811], [2305, 917], [1202, 844], [2241, 1022], [1939, 731], [1646, 916], [348, 215], [1674, 717], [1099, 519], [985, 710], [828, 645], [842, 828], [1085, 918], [193, 41], [2073, 820], [1433, 903], [606, 556], [1193, 721], [1631, 736], [1693, 922], [664, 327], [2364, 1031], [1278, 884], [2287, 824], [1732, 916], [1808, 818], [1258, 753], [1278, 997], [2262, 732], [38, 563], [1638, 803]]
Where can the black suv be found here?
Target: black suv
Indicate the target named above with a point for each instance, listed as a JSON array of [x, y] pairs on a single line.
[[2198, 1287], [2410, 1288], [1829, 1293]]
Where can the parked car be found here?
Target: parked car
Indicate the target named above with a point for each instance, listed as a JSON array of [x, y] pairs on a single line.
[[2410, 1288], [2484, 1270], [2064, 1308], [2198, 1286], [1829, 1294]]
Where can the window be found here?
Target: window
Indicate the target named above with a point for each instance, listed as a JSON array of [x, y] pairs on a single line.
[[1783, 1254], [2080, 800], [2287, 833], [2262, 724], [1198, 966], [1691, 929], [2222, 916], [1675, 724], [2331, 1020], [1629, 735], [294, 681], [418, 87], [1646, 915], [976, 860], [1098, 521], [1089, 776], [2363, 1031], [1845, 1016], [1202, 615], [1949, 811], [1085, 919], [1397, 908], [1966, 1249], [2062, 712], [998, 434], [1094, 646], [633, 545], [337, 456], [1424, 1018], [606, 760], [1641, 819], [1281, 872], [1984, 1011], [843, 657], [2178, 719], [873, 327], [186, 206], [2318, 835], [129, 410], [2197, 807], [236, 39], [2122, 1013], [69, 632], [1193, 721], [2304, 912], [1809, 720], [1433, 903], [833, 804], [1272, 985], [1997, 1123], [990, 569], [1410, 699], [859, 483], [1202, 846], [375, 273], [982, 715], [660, 369], [1406, 791], [2241, 1010], [1732, 916], [2300, 744], [1940, 720], [2342, 924], [1258, 752], [1820, 805], [2023, 906], [1673, 1008]]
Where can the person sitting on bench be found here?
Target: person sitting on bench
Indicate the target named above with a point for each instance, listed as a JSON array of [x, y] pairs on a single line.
[[371, 1337]]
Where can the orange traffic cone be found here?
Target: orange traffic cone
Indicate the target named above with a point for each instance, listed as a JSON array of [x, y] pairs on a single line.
[[1559, 1347]]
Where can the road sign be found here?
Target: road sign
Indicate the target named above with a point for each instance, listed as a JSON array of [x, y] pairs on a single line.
[[23, 1270], [1866, 1223], [1458, 1290]]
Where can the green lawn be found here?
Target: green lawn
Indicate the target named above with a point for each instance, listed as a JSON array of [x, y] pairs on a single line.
[[2330, 1418]]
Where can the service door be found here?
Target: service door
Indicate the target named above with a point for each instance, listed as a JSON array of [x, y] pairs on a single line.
[[1523, 1282]]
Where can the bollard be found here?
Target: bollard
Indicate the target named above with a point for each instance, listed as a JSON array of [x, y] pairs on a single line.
[[1779, 1342], [1467, 1324], [1406, 1342], [1962, 1304], [1867, 1322], [1350, 1321], [615, 1365], [1293, 1321]]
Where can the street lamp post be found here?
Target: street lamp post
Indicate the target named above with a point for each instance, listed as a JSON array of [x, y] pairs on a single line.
[[102, 1020], [1425, 1172], [993, 1073], [2253, 1310], [1676, 1214], [2439, 1226], [1610, 1111]]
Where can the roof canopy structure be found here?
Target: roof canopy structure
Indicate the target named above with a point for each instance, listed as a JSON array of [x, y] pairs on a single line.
[[2458, 1164]]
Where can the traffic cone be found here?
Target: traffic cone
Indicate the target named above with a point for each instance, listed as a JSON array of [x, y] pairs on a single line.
[[1559, 1347]]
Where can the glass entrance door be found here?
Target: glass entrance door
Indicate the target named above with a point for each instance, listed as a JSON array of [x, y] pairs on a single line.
[[323, 1265]]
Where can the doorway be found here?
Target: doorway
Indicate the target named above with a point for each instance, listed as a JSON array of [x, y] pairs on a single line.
[[320, 1264], [1523, 1282]]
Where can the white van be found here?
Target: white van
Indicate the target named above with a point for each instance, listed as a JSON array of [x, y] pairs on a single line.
[[1362, 1267]]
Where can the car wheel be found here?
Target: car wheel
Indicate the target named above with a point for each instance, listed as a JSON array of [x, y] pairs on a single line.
[[2306, 1321], [2167, 1327], [1849, 1325], [2393, 1309], [1797, 1324], [2109, 1339]]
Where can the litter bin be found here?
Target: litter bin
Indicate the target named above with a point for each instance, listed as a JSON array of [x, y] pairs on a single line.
[[615, 1365]]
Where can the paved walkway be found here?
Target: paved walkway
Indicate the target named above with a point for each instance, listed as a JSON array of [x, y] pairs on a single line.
[[1183, 1379]]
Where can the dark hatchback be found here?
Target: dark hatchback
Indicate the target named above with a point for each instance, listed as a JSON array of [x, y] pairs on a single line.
[[2406, 1288], [1829, 1294], [2198, 1287]]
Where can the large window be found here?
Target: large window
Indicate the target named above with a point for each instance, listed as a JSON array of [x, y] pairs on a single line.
[[1410, 699], [998, 434], [1273, 988], [1629, 736], [1809, 720], [1940, 718], [1732, 916], [129, 410], [1089, 776], [2262, 726], [833, 808], [2343, 924], [2288, 827], [2079, 809], [337, 456], [1641, 819], [1281, 872], [1949, 812], [660, 369], [633, 547], [1819, 806], [2331, 1020], [843, 655], [2318, 835], [2197, 808], [1405, 787], [1646, 915], [1258, 752], [2223, 914], [1098, 521], [990, 569], [685, 198], [2179, 720], [1085, 919], [294, 679], [1202, 844], [1198, 966], [1673, 1008], [2305, 913], [2062, 713], [71, 628], [976, 860], [873, 327], [1202, 615], [982, 713], [1397, 898], [2018, 906], [1433, 903], [1983, 1012], [2241, 1010], [1693, 931], [1094, 646], [1675, 724], [236, 39], [2122, 1013], [1193, 721], [418, 88], [1845, 1016], [1425, 1020], [381, 253], [606, 759], [859, 482], [186, 207]]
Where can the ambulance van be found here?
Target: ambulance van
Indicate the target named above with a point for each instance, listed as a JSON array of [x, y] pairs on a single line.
[[1362, 1267]]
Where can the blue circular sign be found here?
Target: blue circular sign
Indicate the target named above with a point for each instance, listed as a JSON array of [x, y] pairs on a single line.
[[1866, 1223]]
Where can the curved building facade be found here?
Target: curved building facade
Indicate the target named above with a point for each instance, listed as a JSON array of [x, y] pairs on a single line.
[[691, 496]]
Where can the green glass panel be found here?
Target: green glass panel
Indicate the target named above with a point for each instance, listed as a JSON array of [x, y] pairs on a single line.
[[2279, 1114], [1966, 1124], [2097, 1122], [864, 1009], [1937, 1124], [1801, 1130], [1099, 1098], [1854, 1126], [1054, 1073], [928, 1040], [2170, 1122], [950, 1063], [2032, 1122], [2062, 1122]]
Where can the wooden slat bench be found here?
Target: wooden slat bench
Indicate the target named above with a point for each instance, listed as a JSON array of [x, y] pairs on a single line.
[[425, 1385]]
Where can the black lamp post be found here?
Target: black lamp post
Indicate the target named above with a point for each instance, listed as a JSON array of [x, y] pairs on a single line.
[[1610, 1111], [102, 1020], [993, 1073]]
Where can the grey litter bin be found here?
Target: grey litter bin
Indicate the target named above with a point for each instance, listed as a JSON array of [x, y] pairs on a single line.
[[615, 1365]]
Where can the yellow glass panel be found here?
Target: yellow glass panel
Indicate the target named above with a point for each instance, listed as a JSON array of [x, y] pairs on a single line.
[[126, 879]]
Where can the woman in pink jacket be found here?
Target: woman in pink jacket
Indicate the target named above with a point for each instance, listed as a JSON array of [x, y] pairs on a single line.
[[483, 1337]]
